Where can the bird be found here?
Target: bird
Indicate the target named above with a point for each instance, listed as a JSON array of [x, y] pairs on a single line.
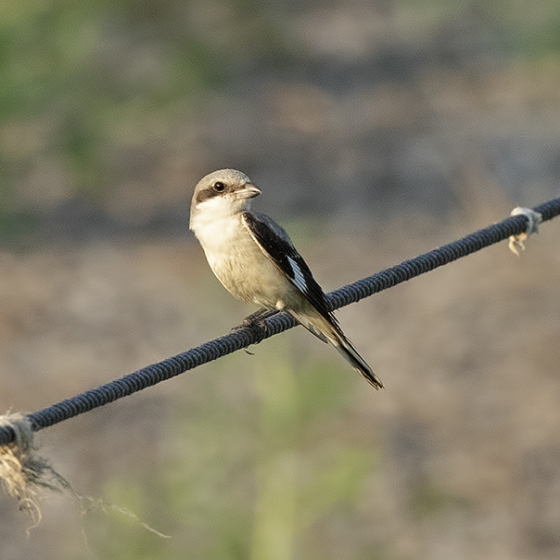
[[256, 261]]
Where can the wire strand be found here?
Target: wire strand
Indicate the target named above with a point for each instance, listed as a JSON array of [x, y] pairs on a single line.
[[244, 336]]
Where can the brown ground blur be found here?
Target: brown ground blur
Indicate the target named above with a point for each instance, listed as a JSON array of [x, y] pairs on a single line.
[[465, 435]]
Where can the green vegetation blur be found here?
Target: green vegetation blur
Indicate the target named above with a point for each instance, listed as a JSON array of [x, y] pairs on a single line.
[[80, 81], [85, 84], [252, 481]]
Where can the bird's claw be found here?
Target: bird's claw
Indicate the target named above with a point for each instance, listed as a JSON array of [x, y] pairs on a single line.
[[256, 322]]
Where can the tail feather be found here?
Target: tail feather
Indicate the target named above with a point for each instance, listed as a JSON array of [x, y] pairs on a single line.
[[327, 329], [347, 350]]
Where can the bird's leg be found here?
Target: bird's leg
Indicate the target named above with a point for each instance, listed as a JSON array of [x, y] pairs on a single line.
[[258, 317], [256, 322]]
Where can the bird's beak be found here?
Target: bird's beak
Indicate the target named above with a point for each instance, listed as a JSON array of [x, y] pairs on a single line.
[[249, 191]]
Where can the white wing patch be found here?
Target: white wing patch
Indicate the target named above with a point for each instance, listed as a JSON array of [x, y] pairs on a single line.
[[299, 278]]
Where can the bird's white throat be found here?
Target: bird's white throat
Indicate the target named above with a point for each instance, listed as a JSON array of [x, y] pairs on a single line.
[[215, 222]]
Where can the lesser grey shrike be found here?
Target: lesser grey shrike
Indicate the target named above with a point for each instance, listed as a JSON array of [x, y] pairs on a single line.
[[255, 260]]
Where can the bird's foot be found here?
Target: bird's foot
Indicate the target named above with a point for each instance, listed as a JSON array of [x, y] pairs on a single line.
[[256, 322]]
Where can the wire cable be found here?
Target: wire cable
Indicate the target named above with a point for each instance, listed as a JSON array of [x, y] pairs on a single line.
[[246, 334]]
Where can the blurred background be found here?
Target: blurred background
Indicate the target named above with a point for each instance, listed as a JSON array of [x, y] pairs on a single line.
[[377, 130]]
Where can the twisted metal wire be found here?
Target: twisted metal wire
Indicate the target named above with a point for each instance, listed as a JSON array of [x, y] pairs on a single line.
[[244, 336]]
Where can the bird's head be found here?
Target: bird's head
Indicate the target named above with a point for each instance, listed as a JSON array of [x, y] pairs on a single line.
[[222, 193]]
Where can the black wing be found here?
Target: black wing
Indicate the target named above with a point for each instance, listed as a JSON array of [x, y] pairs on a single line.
[[276, 244]]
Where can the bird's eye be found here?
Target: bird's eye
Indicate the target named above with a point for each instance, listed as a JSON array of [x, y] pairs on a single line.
[[219, 186]]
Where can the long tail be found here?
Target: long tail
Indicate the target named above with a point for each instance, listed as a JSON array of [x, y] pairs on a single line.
[[328, 329], [346, 348]]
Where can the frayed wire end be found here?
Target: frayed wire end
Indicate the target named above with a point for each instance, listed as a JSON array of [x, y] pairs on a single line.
[[23, 471]]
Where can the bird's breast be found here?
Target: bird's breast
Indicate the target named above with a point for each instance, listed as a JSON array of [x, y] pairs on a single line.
[[239, 263]]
